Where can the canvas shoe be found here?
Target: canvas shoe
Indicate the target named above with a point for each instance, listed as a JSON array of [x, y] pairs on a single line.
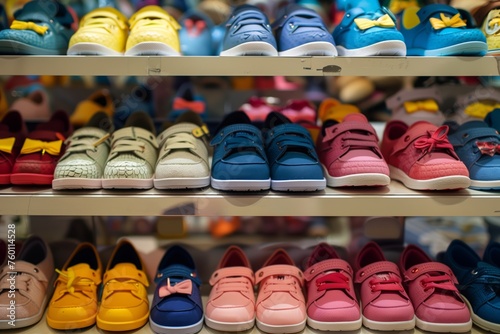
[[74, 302], [231, 303], [332, 304], [176, 305], [13, 132], [431, 287], [32, 276], [183, 160], [82, 165], [248, 33], [350, 155], [280, 306], [421, 157], [384, 302], [487, 17], [134, 152], [100, 100]]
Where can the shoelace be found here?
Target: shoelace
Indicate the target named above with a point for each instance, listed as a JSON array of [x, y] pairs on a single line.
[[358, 141], [151, 22], [435, 140], [22, 281], [281, 284], [333, 281], [386, 284], [75, 285], [115, 285], [442, 282], [241, 140], [85, 143], [106, 23], [128, 145], [181, 141], [233, 284]]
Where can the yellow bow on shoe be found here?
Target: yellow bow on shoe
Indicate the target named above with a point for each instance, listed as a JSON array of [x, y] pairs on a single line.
[[22, 25], [6, 144], [32, 146], [385, 21], [447, 22], [481, 109], [424, 105], [397, 6]]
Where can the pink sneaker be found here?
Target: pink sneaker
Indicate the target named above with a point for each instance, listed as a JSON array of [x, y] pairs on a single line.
[[280, 302], [257, 109], [385, 304], [299, 110], [231, 304], [331, 299], [431, 287], [350, 154], [421, 157]]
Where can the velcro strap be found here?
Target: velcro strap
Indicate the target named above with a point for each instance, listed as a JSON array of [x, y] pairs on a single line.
[[376, 268], [137, 275], [424, 268], [325, 266], [279, 270], [177, 270], [25, 268], [222, 134], [461, 138], [343, 127], [429, 11], [133, 132], [232, 272]]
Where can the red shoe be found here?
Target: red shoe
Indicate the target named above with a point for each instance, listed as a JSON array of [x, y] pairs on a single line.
[[41, 151], [13, 131]]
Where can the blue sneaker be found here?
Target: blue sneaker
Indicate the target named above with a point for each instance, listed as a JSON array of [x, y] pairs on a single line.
[[293, 161], [177, 305], [195, 34], [239, 162], [187, 99], [439, 30], [248, 33], [478, 284], [140, 98], [300, 32], [492, 254], [493, 119]]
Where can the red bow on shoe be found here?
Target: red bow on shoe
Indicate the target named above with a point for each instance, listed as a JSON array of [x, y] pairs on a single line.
[[487, 147], [196, 106], [185, 287]]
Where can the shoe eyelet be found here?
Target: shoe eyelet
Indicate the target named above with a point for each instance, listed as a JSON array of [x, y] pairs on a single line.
[[159, 275], [35, 270], [222, 134], [407, 138], [312, 271], [216, 274], [362, 274], [261, 274], [300, 273], [465, 135], [414, 270], [474, 272]]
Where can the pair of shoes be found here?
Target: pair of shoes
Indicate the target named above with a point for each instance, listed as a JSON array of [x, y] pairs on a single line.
[[31, 272], [297, 111], [487, 17], [282, 157], [122, 304], [106, 32], [477, 281], [280, 304], [198, 34]]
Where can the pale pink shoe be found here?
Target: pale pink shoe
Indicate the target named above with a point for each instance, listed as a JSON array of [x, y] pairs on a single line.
[[299, 111], [421, 157], [231, 304], [33, 107], [385, 304], [350, 154], [280, 302], [438, 305], [332, 304]]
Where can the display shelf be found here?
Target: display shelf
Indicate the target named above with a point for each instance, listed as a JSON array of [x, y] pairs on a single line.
[[395, 200], [249, 66]]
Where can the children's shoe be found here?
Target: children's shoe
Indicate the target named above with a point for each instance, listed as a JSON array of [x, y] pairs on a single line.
[[124, 304], [422, 158], [257, 108], [102, 32], [195, 34], [100, 100], [35, 106], [280, 306], [177, 305], [231, 303], [301, 32], [475, 105], [299, 111], [331, 299], [239, 162], [74, 302], [248, 33], [140, 98], [350, 155], [13, 132], [293, 161], [41, 151], [493, 119], [478, 282], [488, 18], [385, 304], [32, 276], [153, 32], [492, 254], [431, 287], [439, 30], [331, 109], [187, 99]]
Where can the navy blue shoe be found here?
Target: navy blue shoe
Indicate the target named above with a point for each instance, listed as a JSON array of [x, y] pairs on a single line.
[[293, 161], [177, 305], [4, 22], [492, 254]]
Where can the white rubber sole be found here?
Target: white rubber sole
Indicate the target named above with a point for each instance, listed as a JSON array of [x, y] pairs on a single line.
[[443, 327], [480, 322], [385, 48], [298, 185], [357, 180], [182, 183], [311, 49], [462, 49], [151, 49], [25, 322], [229, 326], [441, 183], [92, 49], [241, 185], [76, 183], [335, 326], [127, 183], [485, 185], [280, 329], [389, 326], [251, 49], [176, 330]]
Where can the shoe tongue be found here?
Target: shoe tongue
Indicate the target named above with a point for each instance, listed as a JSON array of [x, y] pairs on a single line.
[[81, 269], [125, 267], [357, 117]]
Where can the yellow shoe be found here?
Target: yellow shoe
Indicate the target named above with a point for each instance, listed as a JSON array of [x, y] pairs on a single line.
[[100, 100], [332, 109], [124, 302], [74, 302], [102, 32], [153, 32]]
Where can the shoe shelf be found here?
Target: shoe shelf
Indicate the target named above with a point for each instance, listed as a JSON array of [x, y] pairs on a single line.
[[395, 200], [249, 66]]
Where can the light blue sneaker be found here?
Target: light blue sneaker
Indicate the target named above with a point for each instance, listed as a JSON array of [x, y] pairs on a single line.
[[195, 34], [248, 33], [300, 32]]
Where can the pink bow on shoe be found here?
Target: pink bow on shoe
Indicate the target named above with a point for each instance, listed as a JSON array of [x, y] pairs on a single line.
[[185, 287]]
